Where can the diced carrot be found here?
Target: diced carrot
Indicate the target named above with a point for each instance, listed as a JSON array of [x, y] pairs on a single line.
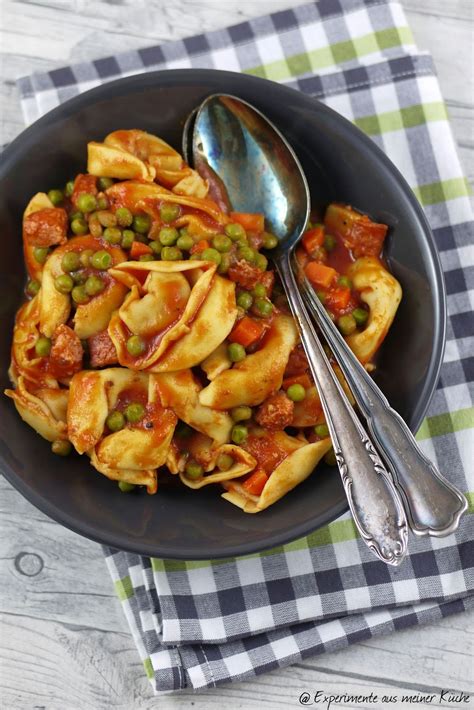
[[250, 222], [320, 274], [255, 483], [313, 238], [247, 331], [338, 298], [138, 249], [303, 380], [200, 246]]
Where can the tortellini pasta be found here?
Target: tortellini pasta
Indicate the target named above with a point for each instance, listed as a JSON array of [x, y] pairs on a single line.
[[157, 340], [135, 154], [183, 310], [382, 293]]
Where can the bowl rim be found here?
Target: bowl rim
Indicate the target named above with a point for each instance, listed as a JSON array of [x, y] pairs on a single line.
[[167, 78]]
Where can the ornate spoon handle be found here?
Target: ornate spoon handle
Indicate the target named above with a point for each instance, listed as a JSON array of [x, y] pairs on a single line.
[[374, 502], [433, 505]]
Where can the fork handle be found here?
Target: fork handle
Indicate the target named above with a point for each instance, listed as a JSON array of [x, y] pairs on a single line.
[[374, 502], [433, 505]]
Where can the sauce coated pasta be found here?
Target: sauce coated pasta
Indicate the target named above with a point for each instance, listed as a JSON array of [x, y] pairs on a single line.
[[156, 339]]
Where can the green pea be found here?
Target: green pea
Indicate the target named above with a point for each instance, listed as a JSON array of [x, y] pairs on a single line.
[[344, 281], [296, 393], [126, 487], [141, 223], [222, 243], [43, 346], [211, 255], [136, 345], [241, 413], [193, 470], [101, 260], [107, 218], [86, 203], [103, 183], [115, 421], [259, 290], [360, 315], [94, 285], [329, 242], [185, 242], [33, 287], [56, 197], [156, 248], [142, 238], [79, 295], [247, 253], [239, 433], [61, 448], [224, 462], [347, 324], [128, 238], [79, 277], [79, 226], [169, 212], [236, 352], [269, 240], [124, 217], [102, 202], [244, 300], [234, 230], [171, 254], [168, 236], [330, 458], [264, 307], [75, 215], [146, 257], [321, 430], [112, 235], [40, 254], [85, 257], [69, 189], [321, 295], [223, 267], [261, 262], [70, 261], [134, 412], [64, 283]]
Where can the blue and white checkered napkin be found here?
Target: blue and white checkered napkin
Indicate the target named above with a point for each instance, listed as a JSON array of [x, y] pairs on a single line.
[[198, 624]]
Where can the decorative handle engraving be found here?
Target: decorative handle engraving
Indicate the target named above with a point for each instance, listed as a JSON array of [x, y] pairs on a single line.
[[433, 505], [373, 499]]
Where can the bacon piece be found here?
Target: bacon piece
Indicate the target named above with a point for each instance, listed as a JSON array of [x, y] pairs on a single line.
[[276, 412], [45, 227], [102, 350], [247, 276], [84, 184], [297, 362], [66, 354]]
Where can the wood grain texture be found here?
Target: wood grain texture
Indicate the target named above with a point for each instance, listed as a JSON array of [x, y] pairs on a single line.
[[64, 642]]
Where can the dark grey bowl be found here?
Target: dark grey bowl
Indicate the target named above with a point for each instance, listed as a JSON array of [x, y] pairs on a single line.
[[341, 164]]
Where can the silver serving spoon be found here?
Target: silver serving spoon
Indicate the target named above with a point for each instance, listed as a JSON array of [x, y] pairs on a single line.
[[433, 505], [232, 140]]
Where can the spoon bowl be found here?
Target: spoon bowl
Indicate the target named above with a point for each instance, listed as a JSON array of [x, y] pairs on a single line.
[[275, 185]]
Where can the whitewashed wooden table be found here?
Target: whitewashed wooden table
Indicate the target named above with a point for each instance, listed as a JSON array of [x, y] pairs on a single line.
[[64, 642]]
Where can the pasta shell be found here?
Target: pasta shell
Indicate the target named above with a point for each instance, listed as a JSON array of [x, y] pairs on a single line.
[[204, 322], [382, 293], [255, 378], [43, 409]]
